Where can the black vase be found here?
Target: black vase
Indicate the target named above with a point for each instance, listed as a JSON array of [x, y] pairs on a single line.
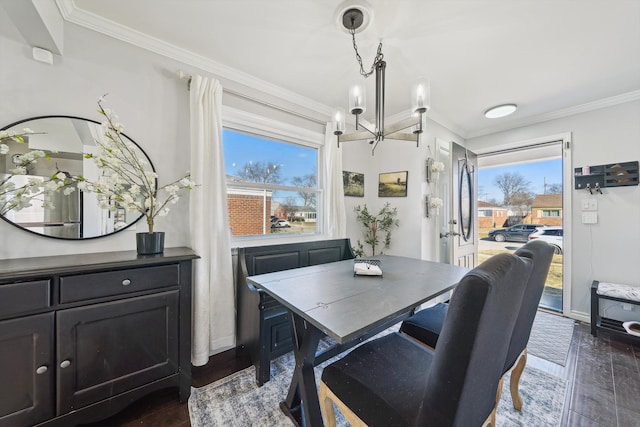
[[150, 243]]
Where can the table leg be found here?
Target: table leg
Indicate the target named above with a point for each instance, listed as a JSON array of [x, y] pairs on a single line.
[[302, 405]]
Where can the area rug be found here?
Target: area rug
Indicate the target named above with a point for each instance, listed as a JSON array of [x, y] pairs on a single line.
[[237, 401], [551, 337]]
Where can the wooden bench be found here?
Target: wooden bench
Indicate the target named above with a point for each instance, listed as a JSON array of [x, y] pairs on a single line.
[[599, 322], [263, 329]]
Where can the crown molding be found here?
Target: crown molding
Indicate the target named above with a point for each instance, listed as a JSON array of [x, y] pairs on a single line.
[[71, 13], [558, 114]]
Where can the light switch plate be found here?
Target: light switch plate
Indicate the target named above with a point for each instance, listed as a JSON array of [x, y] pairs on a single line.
[[589, 204], [589, 218]]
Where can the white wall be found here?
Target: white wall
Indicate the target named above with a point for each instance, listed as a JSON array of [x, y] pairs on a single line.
[[416, 236], [153, 105], [609, 250], [144, 91], [151, 102]]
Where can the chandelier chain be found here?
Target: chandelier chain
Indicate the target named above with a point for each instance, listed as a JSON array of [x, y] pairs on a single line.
[[379, 56]]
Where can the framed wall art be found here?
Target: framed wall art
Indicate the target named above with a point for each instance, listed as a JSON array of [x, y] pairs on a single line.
[[393, 184], [353, 184]]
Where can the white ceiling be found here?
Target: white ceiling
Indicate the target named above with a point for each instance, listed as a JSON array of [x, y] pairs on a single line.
[[551, 57]]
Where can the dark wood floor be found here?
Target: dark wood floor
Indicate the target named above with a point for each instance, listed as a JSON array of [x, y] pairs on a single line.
[[603, 389], [605, 381]]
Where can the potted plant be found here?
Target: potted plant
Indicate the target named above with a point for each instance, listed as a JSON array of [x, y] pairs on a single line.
[[375, 227]]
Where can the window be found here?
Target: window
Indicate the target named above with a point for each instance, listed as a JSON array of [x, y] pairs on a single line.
[[485, 212], [551, 213], [272, 185]]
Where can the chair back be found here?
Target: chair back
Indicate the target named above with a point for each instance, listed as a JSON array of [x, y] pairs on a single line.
[[472, 348], [540, 253]]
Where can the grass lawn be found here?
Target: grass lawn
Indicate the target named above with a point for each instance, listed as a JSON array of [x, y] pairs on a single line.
[[554, 279]]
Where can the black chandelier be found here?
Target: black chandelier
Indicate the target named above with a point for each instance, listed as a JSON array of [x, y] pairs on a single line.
[[352, 20]]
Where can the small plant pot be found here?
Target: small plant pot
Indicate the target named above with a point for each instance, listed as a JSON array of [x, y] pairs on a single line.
[[150, 243]]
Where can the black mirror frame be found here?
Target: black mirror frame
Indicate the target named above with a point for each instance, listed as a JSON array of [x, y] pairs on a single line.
[[464, 173], [86, 120]]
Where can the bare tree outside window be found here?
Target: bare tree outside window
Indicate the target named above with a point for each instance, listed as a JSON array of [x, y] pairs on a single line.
[[553, 189], [265, 172], [272, 185], [513, 186], [307, 181], [521, 202]]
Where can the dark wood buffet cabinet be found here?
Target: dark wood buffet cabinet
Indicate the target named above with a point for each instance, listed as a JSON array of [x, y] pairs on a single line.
[[83, 336]]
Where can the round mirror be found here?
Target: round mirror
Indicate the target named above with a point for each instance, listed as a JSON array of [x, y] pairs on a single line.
[[56, 144], [465, 204]]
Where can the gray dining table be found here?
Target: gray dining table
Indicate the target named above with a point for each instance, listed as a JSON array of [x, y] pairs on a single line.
[[329, 300]]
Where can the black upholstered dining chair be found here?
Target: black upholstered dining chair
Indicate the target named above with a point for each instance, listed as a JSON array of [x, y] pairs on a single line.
[[394, 381], [425, 325]]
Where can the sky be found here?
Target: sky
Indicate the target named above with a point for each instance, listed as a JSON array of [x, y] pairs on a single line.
[[295, 160], [241, 148], [535, 172]]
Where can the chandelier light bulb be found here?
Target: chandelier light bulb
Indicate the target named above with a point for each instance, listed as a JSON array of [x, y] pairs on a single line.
[[338, 121], [357, 99], [421, 95]]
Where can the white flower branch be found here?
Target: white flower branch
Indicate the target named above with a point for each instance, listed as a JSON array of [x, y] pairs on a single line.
[[127, 179]]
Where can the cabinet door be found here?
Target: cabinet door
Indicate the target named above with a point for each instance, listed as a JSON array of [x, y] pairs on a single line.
[[106, 349], [26, 374]]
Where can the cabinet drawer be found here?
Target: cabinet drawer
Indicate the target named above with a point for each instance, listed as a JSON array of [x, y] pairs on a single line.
[[110, 283], [23, 297]]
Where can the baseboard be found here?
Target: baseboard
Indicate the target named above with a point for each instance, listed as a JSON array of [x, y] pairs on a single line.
[[581, 316]]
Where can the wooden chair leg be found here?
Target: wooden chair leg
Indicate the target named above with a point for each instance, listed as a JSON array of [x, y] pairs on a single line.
[[327, 399], [326, 406], [492, 416], [516, 373], [487, 422]]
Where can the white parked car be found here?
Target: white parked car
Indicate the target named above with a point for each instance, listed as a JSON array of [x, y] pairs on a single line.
[[281, 223], [551, 235]]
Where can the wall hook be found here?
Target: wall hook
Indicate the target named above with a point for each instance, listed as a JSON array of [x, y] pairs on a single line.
[[598, 189]]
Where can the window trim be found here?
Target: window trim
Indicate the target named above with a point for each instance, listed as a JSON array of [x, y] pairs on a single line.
[[260, 126], [243, 121]]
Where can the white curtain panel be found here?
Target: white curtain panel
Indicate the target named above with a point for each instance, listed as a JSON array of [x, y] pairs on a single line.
[[213, 291], [336, 215]]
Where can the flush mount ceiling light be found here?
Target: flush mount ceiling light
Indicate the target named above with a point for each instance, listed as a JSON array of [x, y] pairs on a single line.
[[353, 18], [500, 111]]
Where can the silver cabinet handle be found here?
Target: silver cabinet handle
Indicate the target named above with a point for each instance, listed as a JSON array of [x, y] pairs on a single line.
[[126, 282], [65, 364], [41, 370]]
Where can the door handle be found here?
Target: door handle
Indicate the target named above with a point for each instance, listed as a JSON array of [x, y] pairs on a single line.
[[447, 234]]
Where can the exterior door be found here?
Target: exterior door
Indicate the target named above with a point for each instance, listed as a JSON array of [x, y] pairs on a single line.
[[463, 219]]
